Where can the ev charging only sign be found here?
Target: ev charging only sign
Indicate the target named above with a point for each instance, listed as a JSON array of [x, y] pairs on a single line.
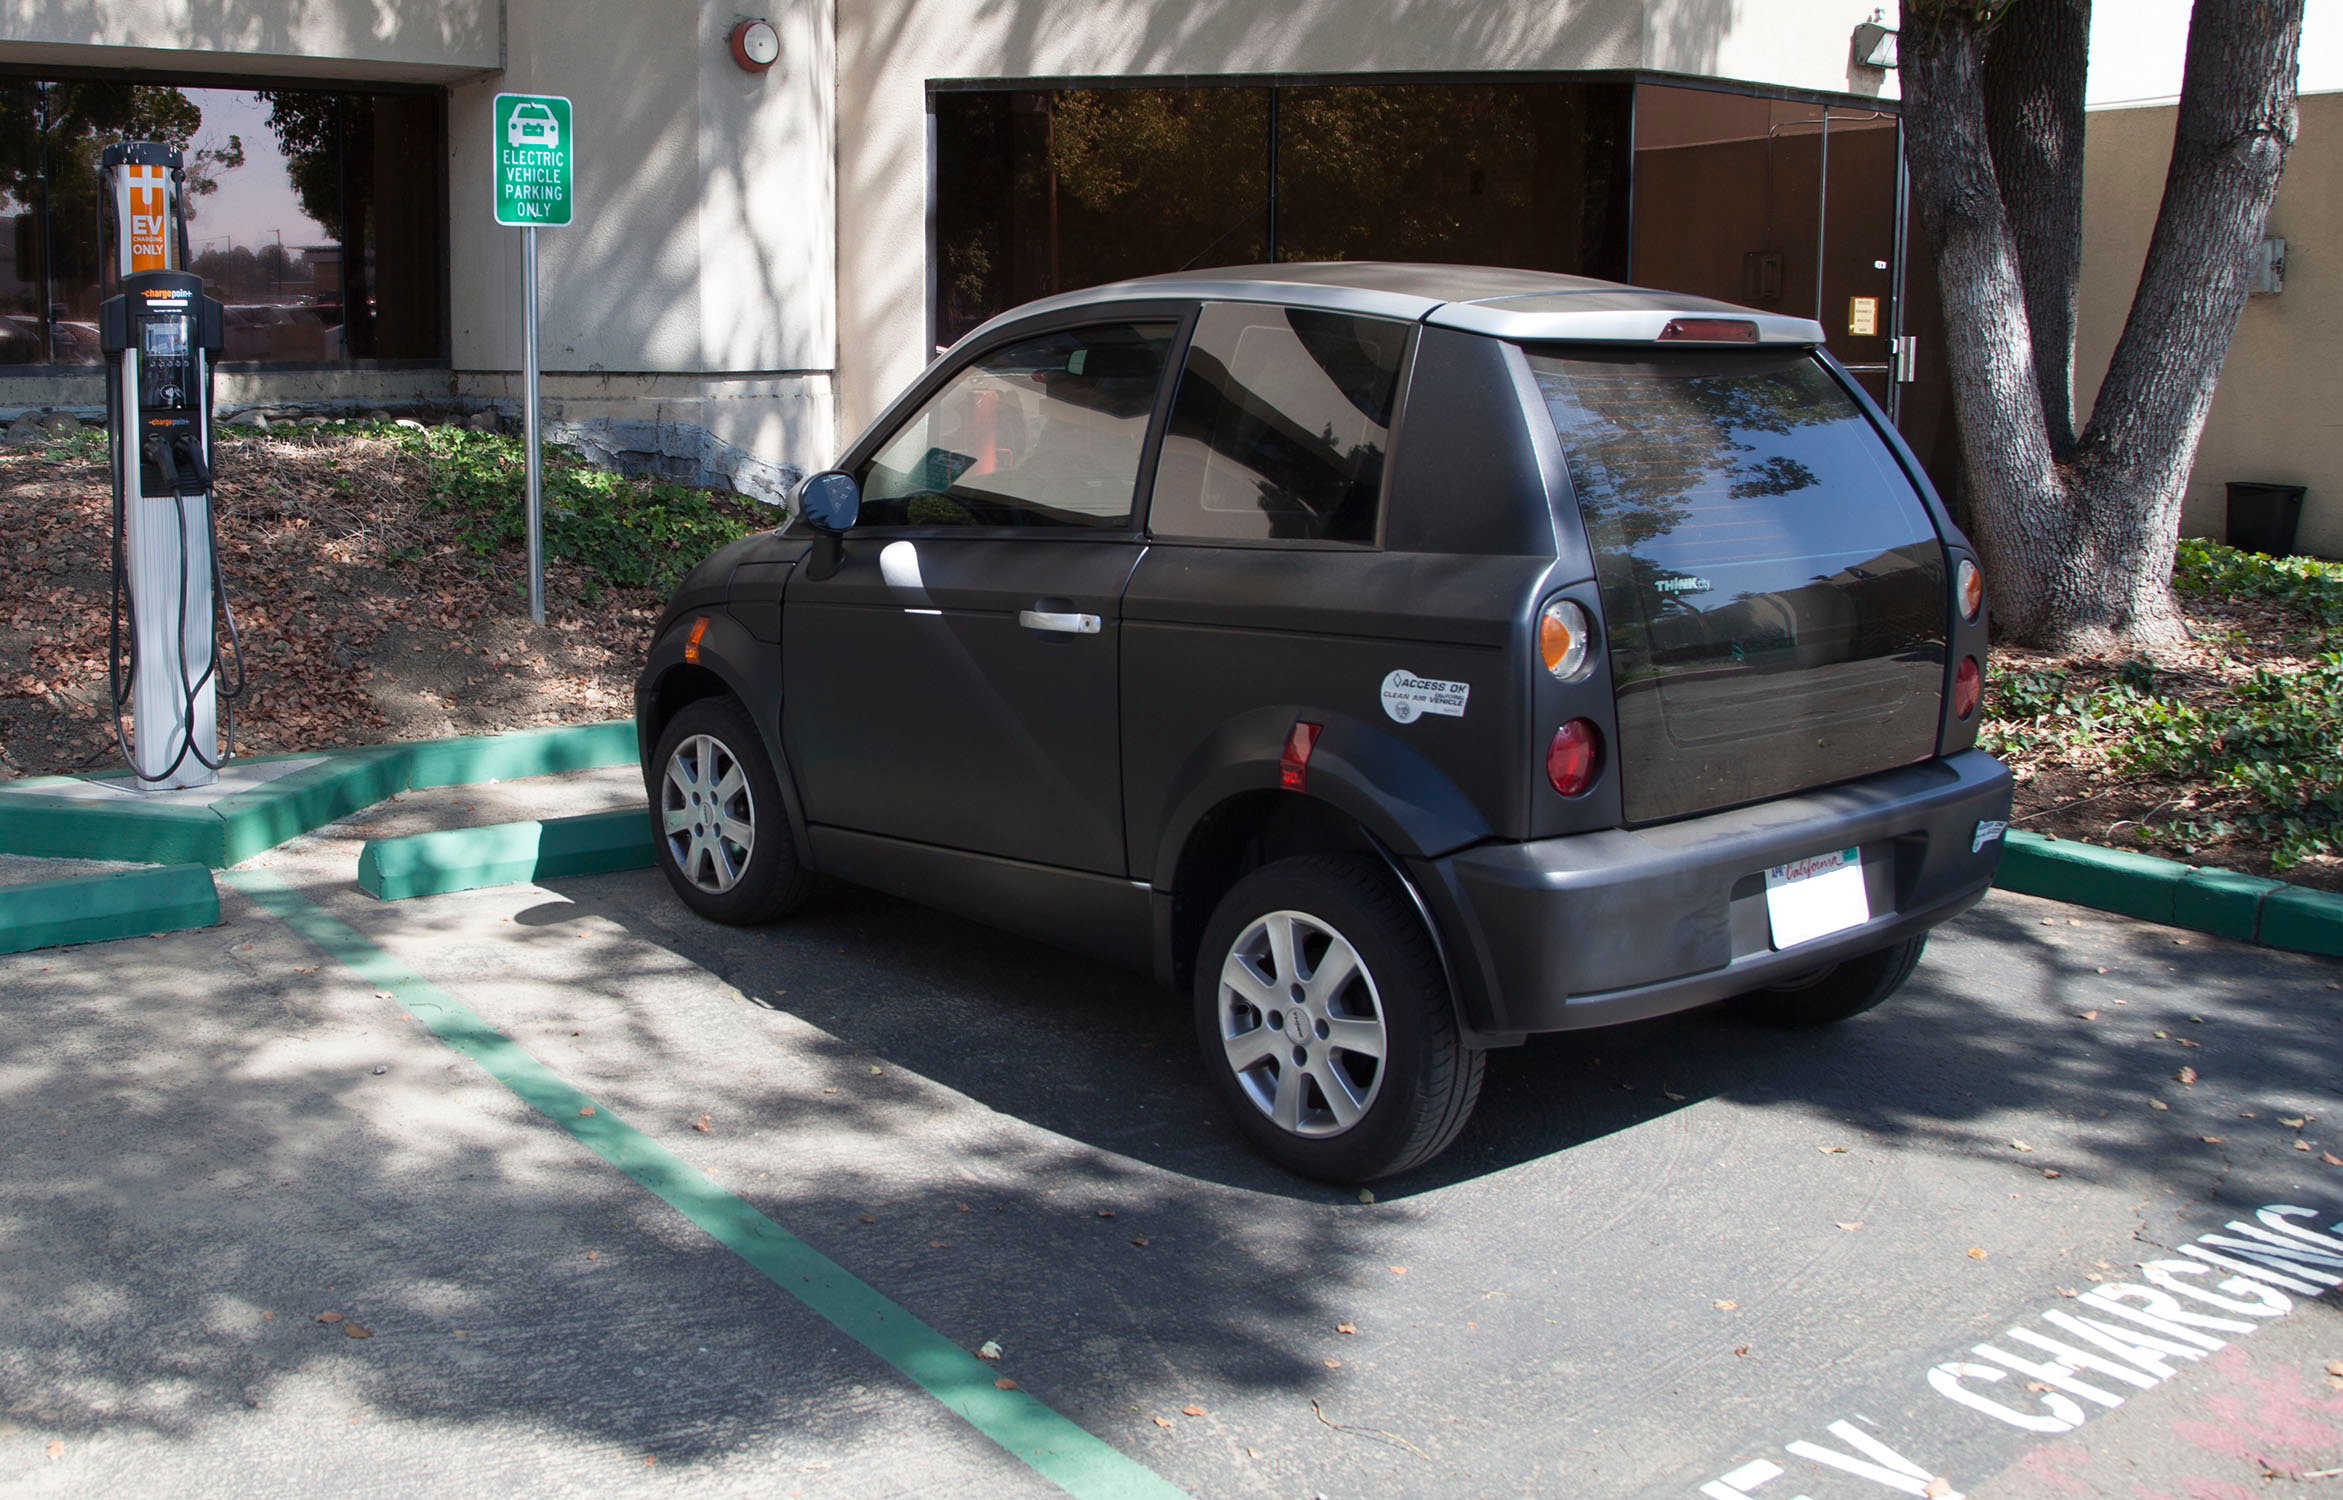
[[533, 160]]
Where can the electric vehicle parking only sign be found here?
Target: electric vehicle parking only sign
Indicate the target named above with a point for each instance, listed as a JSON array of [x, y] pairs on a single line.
[[533, 160]]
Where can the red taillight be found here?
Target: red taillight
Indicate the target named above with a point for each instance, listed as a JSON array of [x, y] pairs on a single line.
[[1711, 330], [1574, 757], [1968, 687], [1293, 767]]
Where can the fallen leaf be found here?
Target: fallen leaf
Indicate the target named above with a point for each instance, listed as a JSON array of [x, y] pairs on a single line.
[[56, 1450], [2088, 1015], [2292, 1123], [959, 1208], [989, 1349], [2302, 1145], [2158, 1104], [2210, 1140], [2019, 1146], [586, 1110], [1726, 1304], [1106, 1213], [1366, 1195], [268, 1316], [593, 1255], [329, 1317], [1832, 1150], [2066, 1291], [2335, 1367], [1976, 1252], [1192, 1410], [352, 1328], [1937, 1488], [1742, 1352], [1252, 1453], [1849, 1225], [2331, 1159], [2052, 1172], [1396, 1270], [1163, 1421], [1004, 1384], [1676, 1098], [1332, 1364], [867, 1218], [382, 994], [1140, 1240], [2186, 1075], [939, 1244], [876, 1070], [702, 1126], [1346, 1328]]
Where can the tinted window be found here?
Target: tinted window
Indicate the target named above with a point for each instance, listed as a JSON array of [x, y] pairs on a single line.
[[1280, 426], [1042, 432]]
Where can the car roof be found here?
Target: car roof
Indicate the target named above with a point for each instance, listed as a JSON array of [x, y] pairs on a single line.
[[1500, 301]]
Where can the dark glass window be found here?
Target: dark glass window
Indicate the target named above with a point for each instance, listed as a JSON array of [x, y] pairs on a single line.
[[1043, 432], [1279, 427], [1046, 190], [318, 217]]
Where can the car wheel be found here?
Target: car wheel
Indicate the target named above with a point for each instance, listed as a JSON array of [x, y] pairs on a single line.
[[723, 834], [1847, 988], [1325, 1022]]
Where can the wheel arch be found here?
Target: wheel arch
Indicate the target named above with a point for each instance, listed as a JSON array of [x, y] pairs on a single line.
[[727, 662]]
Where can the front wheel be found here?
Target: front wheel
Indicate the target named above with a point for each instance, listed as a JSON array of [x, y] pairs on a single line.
[[1325, 1022], [1847, 988], [723, 834]]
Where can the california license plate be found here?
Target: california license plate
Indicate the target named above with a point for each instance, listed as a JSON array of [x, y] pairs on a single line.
[[1815, 897]]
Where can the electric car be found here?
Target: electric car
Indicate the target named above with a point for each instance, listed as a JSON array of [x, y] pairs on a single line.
[[531, 125], [1401, 660]]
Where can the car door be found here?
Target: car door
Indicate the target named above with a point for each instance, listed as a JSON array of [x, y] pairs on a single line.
[[954, 682]]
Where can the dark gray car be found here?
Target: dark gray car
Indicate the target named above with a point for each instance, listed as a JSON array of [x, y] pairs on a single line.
[[1403, 659]]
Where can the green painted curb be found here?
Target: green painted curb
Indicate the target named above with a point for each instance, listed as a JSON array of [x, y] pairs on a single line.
[[465, 859], [2221, 902], [36, 820], [93, 908], [2136, 885], [2306, 921]]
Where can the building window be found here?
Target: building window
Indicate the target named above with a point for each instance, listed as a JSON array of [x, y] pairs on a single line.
[[1045, 190], [318, 217]]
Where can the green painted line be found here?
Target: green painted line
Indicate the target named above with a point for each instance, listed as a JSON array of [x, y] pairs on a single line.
[[95, 908], [2306, 921], [465, 859], [1052, 1446]]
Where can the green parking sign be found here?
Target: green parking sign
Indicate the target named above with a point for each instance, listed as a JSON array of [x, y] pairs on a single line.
[[533, 160]]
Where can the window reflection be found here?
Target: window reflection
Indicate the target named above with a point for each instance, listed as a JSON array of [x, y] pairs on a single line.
[[315, 216]]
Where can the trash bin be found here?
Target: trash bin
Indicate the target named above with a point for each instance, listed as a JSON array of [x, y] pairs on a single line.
[[2262, 517]]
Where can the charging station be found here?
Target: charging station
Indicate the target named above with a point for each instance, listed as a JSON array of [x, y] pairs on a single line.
[[160, 333]]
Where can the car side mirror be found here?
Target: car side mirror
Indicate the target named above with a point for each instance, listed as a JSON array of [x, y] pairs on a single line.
[[829, 501]]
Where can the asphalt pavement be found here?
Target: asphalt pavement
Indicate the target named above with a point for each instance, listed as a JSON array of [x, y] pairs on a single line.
[[557, 1190]]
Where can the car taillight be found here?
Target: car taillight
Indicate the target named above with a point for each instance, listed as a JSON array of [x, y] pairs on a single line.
[[1574, 756], [1711, 330], [1563, 633], [1969, 588], [1968, 687]]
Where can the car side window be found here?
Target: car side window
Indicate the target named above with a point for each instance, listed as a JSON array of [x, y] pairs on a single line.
[[1280, 426], [1046, 431]]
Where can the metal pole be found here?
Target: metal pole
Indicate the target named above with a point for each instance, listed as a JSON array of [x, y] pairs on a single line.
[[529, 425]]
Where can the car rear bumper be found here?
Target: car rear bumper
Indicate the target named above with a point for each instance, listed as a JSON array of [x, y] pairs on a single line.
[[1621, 925]]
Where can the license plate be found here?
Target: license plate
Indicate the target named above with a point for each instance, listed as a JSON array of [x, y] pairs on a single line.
[[1815, 897]]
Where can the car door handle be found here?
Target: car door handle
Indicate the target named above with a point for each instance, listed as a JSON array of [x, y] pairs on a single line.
[[1063, 624]]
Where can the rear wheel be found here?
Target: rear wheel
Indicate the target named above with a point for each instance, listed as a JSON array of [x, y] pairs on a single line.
[[1847, 988], [1325, 1022], [723, 835]]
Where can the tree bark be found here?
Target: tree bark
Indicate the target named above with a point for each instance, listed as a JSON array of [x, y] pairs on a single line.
[[2034, 60], [2078, 541]]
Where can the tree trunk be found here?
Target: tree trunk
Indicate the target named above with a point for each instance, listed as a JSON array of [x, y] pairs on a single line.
[[2034, 123], [2078, 546]]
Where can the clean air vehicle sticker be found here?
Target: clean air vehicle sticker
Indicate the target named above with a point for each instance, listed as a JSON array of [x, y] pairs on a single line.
[[1407, 697]]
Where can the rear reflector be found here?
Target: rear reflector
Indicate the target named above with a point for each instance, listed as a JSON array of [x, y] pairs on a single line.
[[1293, 767], [1968, 687], [1711, 330], [1969, 585], [1574, 757]]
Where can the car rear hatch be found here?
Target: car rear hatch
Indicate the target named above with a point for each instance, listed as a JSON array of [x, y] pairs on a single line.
[[1774, 592]]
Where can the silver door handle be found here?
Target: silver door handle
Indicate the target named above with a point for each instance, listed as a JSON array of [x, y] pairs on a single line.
[[1042, 619]]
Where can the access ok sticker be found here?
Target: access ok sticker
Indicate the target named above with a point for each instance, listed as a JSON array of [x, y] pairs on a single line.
[[1407, 697]]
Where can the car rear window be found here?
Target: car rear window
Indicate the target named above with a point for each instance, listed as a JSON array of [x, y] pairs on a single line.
[[1773, 587]]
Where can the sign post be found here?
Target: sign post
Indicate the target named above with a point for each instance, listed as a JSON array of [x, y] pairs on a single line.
[[534, 174]]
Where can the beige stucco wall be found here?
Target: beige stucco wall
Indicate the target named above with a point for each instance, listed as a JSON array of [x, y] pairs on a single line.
[[2278, 414], [889, 49], [694, 283], [391, 40]]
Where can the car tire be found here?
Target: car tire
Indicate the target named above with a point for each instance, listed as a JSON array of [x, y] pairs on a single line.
[[717, 818], [1847, 988], [1375, 1080]]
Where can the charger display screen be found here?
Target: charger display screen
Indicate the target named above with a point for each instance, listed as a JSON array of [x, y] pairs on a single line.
[[164, 338]]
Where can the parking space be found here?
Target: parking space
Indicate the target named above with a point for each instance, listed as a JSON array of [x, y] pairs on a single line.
[[1684, 1254]]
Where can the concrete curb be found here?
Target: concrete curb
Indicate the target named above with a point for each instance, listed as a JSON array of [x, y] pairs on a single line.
[[2243, 907], [119, 903], [465, 859], [37, 817]]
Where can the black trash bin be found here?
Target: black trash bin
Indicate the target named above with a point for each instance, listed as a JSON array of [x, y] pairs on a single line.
[[2262, 517]]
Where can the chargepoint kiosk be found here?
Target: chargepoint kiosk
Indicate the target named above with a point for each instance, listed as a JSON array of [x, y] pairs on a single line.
[[159, 333]]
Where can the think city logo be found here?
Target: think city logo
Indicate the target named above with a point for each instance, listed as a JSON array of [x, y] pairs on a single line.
[[2054, 1373]]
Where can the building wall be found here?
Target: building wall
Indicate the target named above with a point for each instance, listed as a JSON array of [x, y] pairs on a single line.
[[888, 50], [389, 40], [2278, 413]]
